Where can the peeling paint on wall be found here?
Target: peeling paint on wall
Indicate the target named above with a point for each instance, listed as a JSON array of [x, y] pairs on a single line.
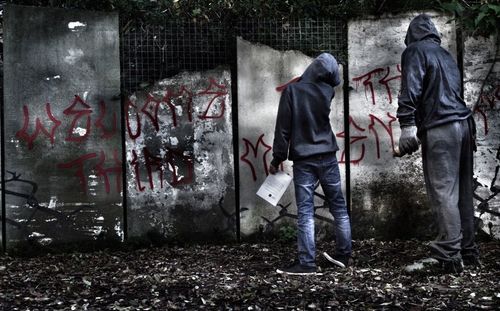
[[62, 138], [260, 70], [478, 60], [180, 157]]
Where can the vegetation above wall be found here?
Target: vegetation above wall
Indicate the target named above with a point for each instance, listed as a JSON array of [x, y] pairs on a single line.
[[478, 17], [217, 10]]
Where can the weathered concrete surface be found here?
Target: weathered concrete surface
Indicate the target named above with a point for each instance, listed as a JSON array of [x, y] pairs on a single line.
[[260, 70], [180, 158], [479, 57], [1, 126], [388, 195], [62, 128]]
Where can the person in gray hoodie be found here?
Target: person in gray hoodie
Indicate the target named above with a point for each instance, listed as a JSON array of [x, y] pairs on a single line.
[[432, 112], [303, 134]]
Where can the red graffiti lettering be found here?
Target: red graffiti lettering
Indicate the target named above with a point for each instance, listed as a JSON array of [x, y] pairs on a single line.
[[23, 133], [179, 99], [385, 81], [214, 109], [353, 139], [103, 172], [366, 79], [135, 164], [78, 113], [80, 126], [150, 109], [367, 82], [99, 122], [180, 165], [387, 128], [78, 163], [137, 119], [219, 91], [260, 144], [487, 101]]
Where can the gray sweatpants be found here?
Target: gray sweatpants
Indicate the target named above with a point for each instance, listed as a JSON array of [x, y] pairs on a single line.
[[447, 153]]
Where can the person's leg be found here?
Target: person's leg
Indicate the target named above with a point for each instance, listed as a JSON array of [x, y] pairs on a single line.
[[441, 149], [470, 252], [329, 177], [304, 179]]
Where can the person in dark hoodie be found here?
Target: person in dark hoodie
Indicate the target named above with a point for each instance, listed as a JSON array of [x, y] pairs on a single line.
[[303, 134], [432, 111]]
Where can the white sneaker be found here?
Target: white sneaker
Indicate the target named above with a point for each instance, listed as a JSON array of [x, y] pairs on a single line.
[[340, 262], [421, 265]]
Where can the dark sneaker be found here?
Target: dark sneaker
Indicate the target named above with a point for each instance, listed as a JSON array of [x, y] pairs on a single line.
[[453, 267], [339, 261], [472, 262], [297, 269]]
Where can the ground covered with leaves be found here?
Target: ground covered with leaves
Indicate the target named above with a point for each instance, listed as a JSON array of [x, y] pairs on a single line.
[[242, 277]]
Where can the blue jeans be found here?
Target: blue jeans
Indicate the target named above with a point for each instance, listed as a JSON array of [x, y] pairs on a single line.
[[306, 173]]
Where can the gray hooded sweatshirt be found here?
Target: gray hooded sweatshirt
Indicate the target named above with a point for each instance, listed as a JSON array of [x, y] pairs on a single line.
[[303, 123], [430, 80]]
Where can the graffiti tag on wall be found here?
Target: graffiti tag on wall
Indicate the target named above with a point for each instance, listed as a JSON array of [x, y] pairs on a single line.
[[79, 113], [174, 108], [487, 184], [80, 120], [487, 102], [370, 78]]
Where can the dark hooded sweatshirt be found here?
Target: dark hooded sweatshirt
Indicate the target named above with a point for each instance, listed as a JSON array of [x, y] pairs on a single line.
[[303, 123], [430, 80]]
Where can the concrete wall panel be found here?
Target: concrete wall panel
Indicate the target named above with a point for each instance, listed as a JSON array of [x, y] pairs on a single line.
[[180, 157], [63, 145], [388, 195], [479, 56], [62, 125], [260, 70]]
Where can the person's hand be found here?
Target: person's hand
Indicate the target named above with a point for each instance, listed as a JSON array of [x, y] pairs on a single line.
[[273, 170], [408, 141]]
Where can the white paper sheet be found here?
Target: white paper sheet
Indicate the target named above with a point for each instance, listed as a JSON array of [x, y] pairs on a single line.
[[274, 187]]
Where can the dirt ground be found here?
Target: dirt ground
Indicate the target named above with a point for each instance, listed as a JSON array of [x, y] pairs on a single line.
[[242, 277]]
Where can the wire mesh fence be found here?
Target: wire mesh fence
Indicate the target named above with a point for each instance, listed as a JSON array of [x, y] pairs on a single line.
[[153, 52], [308, 36]]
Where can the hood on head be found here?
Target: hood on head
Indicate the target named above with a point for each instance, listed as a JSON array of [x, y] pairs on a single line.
[[324, 68], [421, 27]]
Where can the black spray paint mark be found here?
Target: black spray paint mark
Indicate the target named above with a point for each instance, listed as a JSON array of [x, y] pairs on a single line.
[[230, 226], [283, 213], [485, 203], [32, 201]]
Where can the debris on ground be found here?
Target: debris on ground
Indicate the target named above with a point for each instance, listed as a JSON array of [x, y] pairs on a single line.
[[242, 277]]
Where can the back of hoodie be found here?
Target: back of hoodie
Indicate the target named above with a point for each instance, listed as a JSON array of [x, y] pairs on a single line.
[[303, 123], [430, 80]]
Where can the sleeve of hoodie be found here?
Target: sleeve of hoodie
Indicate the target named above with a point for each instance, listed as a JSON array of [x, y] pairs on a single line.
[[282, 130], [412, 81]]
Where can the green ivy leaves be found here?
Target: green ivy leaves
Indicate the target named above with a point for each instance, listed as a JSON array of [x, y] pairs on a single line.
[[479, 19]]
